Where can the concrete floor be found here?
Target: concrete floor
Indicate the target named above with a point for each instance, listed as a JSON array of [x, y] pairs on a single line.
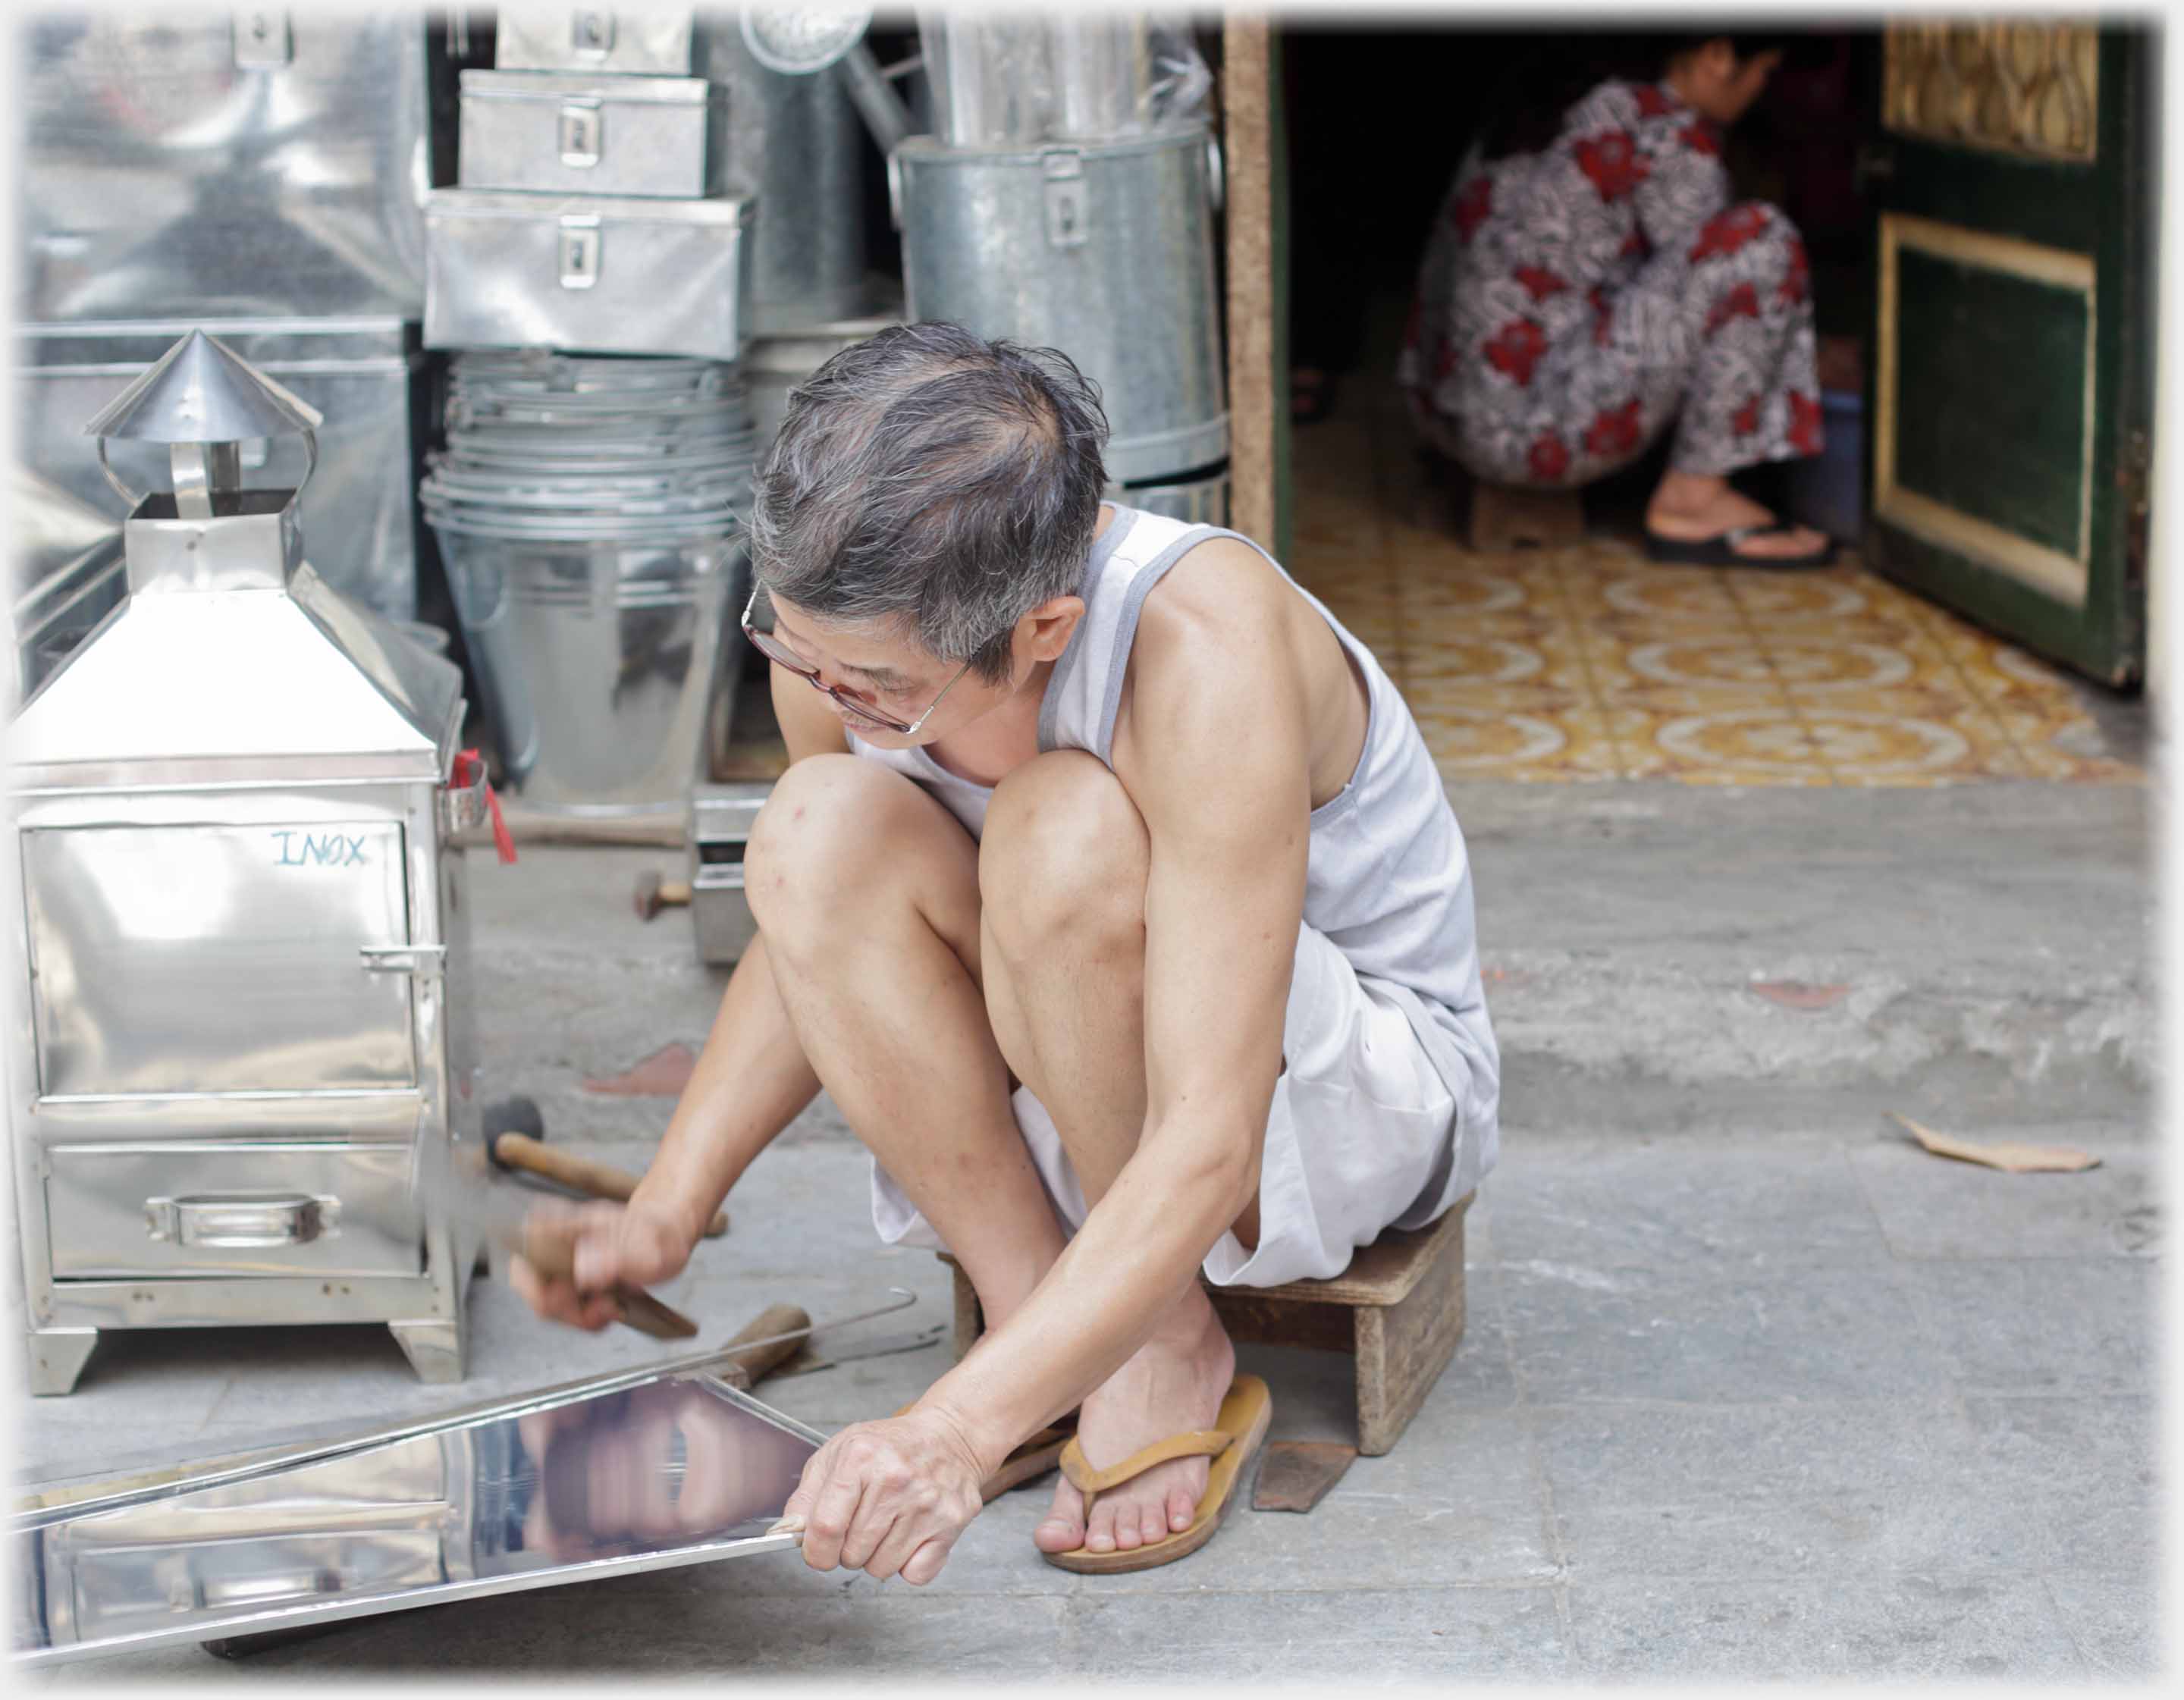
[[1750, 1387]]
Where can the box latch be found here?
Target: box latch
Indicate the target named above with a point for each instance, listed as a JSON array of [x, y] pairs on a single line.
[[591, 32], [580, 250], [1065, 196], [581, 124], [263, 40]]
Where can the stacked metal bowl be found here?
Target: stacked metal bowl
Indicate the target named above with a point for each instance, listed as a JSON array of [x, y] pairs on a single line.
[[588, 511]]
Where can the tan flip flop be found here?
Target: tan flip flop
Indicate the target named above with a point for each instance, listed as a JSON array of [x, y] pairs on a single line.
[[1032, 1458], [1230, 1442]]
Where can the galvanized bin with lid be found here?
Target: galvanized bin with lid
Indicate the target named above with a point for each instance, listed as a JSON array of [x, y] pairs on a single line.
[[1102, 250], [547, 133], [243, 1061]]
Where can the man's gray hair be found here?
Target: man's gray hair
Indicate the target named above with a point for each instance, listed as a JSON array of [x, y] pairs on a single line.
[[929, 478]]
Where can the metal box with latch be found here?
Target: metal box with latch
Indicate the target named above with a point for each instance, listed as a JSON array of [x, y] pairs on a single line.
[[547, 134], [652, 41], [608, 274]]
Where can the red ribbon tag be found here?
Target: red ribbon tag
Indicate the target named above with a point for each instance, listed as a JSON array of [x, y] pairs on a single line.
[[469, 764]]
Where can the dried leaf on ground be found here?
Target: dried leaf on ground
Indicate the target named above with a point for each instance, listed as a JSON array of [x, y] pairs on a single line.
[[1799, 993], [2009, 1154]]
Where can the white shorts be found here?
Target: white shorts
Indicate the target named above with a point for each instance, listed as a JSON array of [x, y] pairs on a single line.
[[1360, 1136]]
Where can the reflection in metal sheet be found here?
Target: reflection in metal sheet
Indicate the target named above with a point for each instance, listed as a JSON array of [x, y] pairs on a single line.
[[637, 1472]]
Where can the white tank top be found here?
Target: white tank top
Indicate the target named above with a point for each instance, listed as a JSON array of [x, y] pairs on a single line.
[[1387, 878]]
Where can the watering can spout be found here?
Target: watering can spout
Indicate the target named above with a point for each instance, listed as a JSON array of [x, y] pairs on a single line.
[[878, 104], [802, 41]]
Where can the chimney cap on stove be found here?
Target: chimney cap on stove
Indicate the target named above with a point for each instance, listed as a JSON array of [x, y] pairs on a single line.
[[202, 390]]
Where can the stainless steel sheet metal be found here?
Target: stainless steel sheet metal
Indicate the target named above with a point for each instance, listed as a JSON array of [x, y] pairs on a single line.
[[172, 163], [642, 1471]]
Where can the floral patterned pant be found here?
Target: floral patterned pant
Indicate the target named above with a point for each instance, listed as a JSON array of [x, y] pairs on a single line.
[[1713, 336]]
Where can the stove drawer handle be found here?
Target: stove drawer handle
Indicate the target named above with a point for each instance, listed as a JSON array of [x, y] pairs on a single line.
[[294, 1218], [427, 962]]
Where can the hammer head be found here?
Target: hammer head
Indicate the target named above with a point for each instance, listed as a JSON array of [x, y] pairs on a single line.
[[518, 1115]]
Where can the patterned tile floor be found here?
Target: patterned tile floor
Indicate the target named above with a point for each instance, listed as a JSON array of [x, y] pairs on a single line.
[[1589, 662]]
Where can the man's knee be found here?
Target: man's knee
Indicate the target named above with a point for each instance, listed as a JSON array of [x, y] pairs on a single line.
[[813, 840], [1064, 850]]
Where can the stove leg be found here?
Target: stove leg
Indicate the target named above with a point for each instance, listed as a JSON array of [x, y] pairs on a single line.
[[57, 1356], [434, 1348]]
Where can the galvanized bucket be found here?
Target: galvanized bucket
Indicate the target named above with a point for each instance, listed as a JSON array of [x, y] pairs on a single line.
[[1105, 252], [587, 510], [598, 658], [1201, 500]]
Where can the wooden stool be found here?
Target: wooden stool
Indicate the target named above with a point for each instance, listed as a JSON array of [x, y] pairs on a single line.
[[1503, 518], [1398, 1309]]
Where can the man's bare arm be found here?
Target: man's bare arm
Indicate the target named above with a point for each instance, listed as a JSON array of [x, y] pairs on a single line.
[[751, 1078], [1220, 778]]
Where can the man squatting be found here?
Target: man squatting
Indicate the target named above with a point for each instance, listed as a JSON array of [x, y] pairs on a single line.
[[1113, 895]]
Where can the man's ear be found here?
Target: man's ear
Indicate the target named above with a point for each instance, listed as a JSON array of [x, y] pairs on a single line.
[[1049, 627]]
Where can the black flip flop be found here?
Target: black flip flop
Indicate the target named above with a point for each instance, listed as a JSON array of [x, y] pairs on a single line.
[[1721, 550]]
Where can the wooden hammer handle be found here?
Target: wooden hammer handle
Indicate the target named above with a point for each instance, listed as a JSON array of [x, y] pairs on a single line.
[[639, 1309], [582, 1174], [753, 1366]]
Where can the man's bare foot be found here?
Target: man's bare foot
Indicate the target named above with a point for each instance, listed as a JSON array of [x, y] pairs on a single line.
[[1176, 1382], [1688, 508]]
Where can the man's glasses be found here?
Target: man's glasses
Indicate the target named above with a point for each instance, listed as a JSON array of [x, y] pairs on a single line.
[[783, 656]]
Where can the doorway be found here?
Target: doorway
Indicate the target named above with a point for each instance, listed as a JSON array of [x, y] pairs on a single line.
[[1587, 662]]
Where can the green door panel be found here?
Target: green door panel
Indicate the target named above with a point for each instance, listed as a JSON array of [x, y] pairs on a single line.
[[2009, 372], [2009, 354]]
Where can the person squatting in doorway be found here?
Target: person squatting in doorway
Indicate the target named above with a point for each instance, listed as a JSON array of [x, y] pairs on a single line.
[[1581, 296]]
